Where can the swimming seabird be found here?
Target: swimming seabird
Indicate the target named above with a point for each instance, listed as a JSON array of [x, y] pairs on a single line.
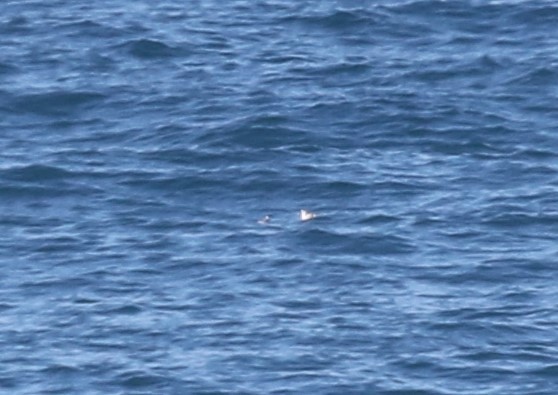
[[265, 220], [306, 215]]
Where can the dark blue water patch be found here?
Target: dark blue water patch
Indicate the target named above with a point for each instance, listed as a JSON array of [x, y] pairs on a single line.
[[404, 188], [539, 77], [37, 192], [35, 173], [340, 20], [337, 243], [379, 219], [98, 63], [451, 11], [125, 310], [82, 300], [15, 25], [55, 103], [6, 99], [409, 391], [340, 188], [477, 73], [60, 245], [339, 75], [88, 29], [539, 14], [140, 379], [494, 356], [549, 372], [61, 372], [153, 49], [7, 69], [488, 63], [488, 273], [6, 306], [187, 184], [69, 285], [261, 131], [522, 220], [8, 382]]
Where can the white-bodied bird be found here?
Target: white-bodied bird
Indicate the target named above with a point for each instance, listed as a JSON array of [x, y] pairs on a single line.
[[306, 215]]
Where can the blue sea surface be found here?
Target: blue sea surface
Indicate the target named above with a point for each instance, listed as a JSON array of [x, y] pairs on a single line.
[[142, 141]]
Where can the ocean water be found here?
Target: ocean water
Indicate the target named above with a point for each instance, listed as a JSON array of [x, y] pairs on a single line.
[[142, 141]]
